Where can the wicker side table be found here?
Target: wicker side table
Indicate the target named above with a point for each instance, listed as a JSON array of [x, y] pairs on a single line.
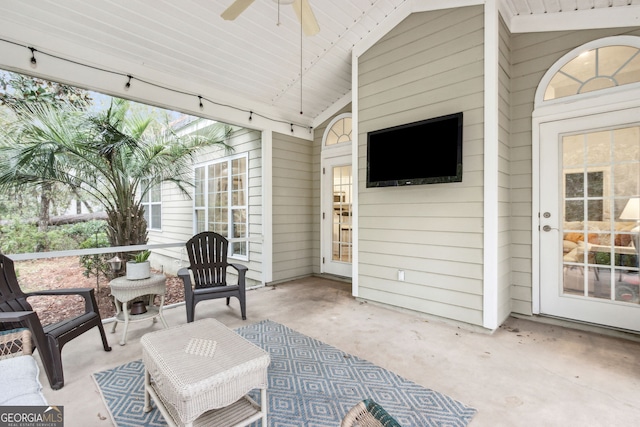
[[124, 290], [199, 374]]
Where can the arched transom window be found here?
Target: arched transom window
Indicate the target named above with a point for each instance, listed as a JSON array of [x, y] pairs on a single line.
[[339, 131], [595, 69]]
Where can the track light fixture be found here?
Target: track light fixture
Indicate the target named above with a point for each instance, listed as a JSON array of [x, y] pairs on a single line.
[[201, 104], [127, 85], [250, 115]]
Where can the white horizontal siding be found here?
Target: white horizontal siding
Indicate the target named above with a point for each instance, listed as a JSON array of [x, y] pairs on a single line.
[[293, 200], [429, 65], [504, 178]]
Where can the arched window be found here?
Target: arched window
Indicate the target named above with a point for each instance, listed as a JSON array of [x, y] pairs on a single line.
[[603, 64], [338, 131]]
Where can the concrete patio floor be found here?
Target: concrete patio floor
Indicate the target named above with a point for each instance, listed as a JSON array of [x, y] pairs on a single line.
[[525, 374]]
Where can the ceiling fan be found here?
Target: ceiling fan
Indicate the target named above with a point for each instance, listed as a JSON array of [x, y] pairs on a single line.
[[302, 8]]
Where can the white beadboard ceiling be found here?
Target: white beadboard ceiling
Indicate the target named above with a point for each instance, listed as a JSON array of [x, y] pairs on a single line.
[[251, 62]]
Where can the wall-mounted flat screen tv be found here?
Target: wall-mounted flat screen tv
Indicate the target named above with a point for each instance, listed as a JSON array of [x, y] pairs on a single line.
[[424, 152]]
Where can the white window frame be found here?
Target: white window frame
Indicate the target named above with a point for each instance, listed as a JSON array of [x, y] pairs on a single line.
[[329, 129], [147, 203], [594, 97], [230, 208]]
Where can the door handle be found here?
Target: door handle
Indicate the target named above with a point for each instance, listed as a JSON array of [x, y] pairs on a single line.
[[546, 228]]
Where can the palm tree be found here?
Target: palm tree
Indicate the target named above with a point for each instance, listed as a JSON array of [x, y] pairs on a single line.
[[115, 156]]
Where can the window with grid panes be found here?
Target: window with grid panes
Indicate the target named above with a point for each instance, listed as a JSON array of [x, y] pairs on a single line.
[[221, 203], [151, 202]]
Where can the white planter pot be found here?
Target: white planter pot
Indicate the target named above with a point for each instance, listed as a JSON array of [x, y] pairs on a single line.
[[138, 270]]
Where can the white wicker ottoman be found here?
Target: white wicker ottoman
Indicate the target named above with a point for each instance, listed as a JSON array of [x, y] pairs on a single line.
[[199, 374]]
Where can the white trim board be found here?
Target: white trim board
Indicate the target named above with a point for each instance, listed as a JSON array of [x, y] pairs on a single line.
[[490, 301]]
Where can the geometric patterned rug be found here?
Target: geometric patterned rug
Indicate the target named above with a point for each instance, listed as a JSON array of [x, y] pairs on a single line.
[[311, 384]]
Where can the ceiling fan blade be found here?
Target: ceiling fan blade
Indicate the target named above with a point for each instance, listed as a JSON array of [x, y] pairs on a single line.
[[306, 17], [236, 8]]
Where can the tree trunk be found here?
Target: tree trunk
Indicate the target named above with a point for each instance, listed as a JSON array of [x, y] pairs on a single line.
[[80, 201], [45, 201], [127, 227], [74, 219], [43, 217]]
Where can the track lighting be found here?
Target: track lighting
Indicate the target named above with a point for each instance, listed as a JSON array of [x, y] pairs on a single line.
[[250, 115], [127, 85], [201, 104]]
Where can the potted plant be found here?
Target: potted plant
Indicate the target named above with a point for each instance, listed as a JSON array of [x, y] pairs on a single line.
[[139, 267]]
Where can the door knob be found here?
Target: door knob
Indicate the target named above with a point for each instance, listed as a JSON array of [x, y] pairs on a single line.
[[546, 228]]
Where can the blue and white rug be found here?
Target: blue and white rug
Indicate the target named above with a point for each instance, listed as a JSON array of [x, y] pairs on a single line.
[[311, 384]]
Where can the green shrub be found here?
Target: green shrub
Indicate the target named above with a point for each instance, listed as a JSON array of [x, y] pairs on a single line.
[[83, 230], [17, 236], [20, 237], [59, 240], [96, 264]]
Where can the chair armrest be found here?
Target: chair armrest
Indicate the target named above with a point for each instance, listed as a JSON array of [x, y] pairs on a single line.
[[240, 268], [185, 275], [90, 303], [17, 316], [242, 271], [63, 291]]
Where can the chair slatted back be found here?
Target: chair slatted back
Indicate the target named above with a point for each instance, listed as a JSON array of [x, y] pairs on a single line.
[[208, 258], [12, 298]]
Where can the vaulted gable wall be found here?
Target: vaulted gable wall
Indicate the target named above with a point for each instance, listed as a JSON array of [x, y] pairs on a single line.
[[431, 64]]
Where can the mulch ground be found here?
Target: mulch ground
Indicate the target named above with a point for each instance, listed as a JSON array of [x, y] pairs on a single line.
[[61, 273]]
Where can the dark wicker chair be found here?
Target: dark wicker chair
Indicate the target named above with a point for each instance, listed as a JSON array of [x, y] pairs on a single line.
[[368, 414], [208, 269], [15, 312]]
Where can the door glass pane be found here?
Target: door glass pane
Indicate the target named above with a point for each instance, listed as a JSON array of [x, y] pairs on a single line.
[[341, 223], [601, 173]]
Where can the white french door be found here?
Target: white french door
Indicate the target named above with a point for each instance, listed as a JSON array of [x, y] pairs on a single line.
[[337, 226], [589, 192]]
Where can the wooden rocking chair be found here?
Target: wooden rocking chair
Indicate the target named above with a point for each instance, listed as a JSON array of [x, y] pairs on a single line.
[[15, 312]]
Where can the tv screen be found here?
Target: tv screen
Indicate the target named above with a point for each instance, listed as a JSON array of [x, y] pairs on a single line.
[[424, 152]]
